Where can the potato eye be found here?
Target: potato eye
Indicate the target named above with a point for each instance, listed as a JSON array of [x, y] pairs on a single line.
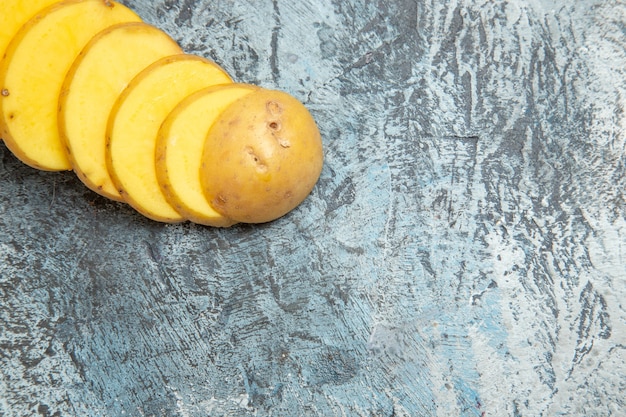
[[274, 126], [274, 108]]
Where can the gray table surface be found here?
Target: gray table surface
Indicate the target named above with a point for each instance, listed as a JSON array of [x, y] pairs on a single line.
[[463, 254]]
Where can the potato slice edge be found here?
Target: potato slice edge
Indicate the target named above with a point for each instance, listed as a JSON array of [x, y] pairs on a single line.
[[93, 84], [40, 55], [16, 14], [134, 123], [180, 146]]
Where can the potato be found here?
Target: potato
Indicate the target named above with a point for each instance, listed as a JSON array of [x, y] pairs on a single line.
[[134, 124], [32, 72], [96, 79], [85, 85], [16, 13], [179, 151], [261, 158]]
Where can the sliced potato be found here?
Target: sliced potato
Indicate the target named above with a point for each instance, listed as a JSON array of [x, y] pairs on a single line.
[[16, 13], [32, 72], [134, 124], [261, 158], [179, 151], [98, 76]]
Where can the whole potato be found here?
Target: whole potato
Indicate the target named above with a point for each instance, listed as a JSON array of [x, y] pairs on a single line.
[[261, 158]]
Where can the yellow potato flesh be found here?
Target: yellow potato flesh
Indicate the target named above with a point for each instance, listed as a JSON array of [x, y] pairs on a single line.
[[134, 124], [98, 76], [179, 151], [16, 13], [32, 72], [261, 158]]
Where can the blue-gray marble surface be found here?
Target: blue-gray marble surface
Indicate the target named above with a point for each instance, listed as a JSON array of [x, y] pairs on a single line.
[[463, 254]]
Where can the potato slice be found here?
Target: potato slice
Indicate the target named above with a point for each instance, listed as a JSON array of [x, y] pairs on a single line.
[[134, 124], [261, 158], [15, 14], [32, 72], [179, 151], [95, 80]]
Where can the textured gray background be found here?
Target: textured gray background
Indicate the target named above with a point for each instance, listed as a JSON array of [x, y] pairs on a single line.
[[464, 253]]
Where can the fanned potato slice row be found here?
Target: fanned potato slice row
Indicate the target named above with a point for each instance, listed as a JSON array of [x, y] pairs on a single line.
[[96, 79], [135, 121], [32, 73], [179, 150], [15, 14]]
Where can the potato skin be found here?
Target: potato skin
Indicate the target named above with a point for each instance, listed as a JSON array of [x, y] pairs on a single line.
[[261, 158]]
